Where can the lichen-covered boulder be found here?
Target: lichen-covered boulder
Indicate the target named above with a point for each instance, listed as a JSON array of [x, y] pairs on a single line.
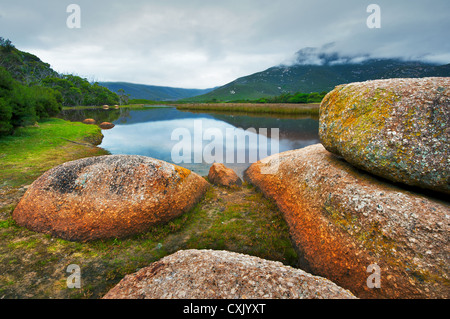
[[343, 220], [210, 274], [221, 175], [107, 197], [398, 129]]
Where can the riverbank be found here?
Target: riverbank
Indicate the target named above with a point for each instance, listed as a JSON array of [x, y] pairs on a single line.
[[34, 265], [269, 108], [254, 108], [110, 107], [32, 150]]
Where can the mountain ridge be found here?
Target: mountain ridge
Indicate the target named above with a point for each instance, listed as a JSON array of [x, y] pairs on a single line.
[[153, 92], [315, 71]]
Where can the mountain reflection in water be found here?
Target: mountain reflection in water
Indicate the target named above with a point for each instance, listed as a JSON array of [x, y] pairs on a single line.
[[148, 132]]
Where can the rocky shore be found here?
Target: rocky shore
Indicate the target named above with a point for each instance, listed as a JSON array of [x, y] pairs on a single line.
[[343, 220], [349, 207], [366, 209]]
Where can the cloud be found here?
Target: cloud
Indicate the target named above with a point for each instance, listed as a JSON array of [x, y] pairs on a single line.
[[204, 43]]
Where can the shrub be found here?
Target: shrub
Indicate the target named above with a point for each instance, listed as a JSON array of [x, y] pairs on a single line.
[[5, 117], [22, 105]]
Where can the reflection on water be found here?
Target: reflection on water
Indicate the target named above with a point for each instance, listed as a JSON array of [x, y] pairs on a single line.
[[153, 132]]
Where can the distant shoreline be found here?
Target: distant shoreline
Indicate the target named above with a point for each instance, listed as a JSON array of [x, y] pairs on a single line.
[[257, 108], [280, 108]]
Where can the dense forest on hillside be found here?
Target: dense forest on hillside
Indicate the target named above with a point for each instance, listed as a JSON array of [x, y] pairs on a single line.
[[78, 91], [30, 89]]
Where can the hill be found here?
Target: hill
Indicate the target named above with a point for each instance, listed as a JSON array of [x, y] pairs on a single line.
[[30, 90], [313, 71], [30, 71], [153, 92], [23, 66]]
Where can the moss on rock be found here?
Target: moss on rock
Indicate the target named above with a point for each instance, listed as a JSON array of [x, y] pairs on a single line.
[[397, 129]]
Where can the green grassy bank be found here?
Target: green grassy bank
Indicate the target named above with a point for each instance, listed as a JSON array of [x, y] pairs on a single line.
[[32, 150]]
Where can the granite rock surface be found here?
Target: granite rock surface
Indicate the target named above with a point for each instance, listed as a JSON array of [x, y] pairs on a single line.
[[109, 196], [398, 129]]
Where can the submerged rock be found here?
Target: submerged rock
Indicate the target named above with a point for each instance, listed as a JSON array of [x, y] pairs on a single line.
[[209, 274], [107, 197], [398, 129], [106, 126], [343, 220], [89, 121], [221, 175]]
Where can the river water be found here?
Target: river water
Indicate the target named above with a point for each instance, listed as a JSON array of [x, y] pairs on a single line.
[[197, 139]]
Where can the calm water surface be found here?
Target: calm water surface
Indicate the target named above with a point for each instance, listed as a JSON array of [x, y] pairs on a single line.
[[199, 138]]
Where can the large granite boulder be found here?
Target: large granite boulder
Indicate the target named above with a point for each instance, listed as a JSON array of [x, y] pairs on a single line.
[[107, 196], [209, 274], [343, 220], [398, 129]]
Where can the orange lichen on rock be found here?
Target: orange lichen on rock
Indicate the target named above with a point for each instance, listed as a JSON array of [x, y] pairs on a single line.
[[342, 220], [221, 175], [107, 197]]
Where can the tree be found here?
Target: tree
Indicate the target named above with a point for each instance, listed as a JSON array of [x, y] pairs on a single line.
[[22, 105], [6, 45], [123, 98], [46, 101], [314, 98], [75, 90], [6, 86], [5, 117], [299, 98]]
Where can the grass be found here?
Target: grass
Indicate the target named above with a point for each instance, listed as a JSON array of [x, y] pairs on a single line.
[[268, 108], [31, 151], [245, 222], [242, 221], [33, 265]]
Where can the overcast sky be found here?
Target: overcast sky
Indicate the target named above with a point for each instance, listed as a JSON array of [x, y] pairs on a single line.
[[208, 43]]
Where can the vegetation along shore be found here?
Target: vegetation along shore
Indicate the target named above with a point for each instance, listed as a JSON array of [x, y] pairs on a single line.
[[269, 108]]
